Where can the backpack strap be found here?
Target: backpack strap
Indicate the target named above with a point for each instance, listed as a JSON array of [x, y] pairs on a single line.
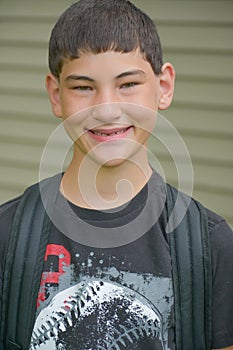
[[191, 269], [24, 262]]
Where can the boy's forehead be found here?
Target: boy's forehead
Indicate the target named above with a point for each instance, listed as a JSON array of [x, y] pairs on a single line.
[[91, 59]]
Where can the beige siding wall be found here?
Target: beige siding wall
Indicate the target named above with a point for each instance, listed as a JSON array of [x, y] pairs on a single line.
[[197, 39]]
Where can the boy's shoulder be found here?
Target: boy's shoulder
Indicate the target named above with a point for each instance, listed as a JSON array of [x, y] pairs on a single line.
[[7, 212], [220, 233], [215, 221], [8, 208]]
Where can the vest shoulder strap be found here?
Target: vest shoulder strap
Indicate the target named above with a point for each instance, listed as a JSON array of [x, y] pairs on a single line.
[[191, 270], [24, 262]]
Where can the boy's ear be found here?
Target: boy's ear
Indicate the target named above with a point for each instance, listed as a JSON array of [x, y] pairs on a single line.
[[167, 82], [52, 86]]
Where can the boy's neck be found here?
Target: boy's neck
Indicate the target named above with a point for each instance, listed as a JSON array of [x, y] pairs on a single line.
[[106, 187]]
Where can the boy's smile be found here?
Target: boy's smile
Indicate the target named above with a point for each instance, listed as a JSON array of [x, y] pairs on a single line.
[[109, 134], [108, 102]]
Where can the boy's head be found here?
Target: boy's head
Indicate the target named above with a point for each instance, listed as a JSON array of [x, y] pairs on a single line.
[[100, 25]]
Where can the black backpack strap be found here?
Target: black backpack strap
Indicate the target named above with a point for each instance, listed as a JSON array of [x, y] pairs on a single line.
[[191, 269], [24, 262]]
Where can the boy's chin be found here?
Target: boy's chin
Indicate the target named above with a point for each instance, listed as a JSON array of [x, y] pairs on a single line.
[[109, 162], [115, 162]]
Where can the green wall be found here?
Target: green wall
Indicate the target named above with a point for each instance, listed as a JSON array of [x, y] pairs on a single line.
[[197, 39]]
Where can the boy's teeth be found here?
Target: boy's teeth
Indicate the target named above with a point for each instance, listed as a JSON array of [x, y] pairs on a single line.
[[111, 134]]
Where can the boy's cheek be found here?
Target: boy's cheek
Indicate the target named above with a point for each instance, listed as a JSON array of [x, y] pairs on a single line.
[[115, 114], [141, 116], [73, 122]]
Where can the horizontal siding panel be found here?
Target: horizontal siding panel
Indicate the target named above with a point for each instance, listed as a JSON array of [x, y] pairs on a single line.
[[200, 66], [210, 149], [163, 10], [16, 153], [24, 177], [217, 123], [25, 130], [27, 172], [205, 93], [202, 38], [26, 31], [202, 148], [30, 118], [30, 9], [32, 80], [188, 11], [205, 176], [26, 57], [16, 102], [31, 156]]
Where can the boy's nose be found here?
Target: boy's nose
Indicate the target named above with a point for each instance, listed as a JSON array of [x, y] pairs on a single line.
[[107, 106], [107, 112], [106, 95]]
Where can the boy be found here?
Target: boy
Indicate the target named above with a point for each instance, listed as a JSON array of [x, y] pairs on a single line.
[[107, 277]]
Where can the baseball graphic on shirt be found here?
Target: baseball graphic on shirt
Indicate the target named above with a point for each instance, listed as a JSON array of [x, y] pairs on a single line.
[[98, 315]]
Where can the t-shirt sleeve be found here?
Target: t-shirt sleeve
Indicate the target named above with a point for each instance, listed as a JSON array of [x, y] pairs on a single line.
[[221, 240]]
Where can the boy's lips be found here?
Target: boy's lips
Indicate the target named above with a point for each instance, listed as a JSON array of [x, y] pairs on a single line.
[[109, 134]]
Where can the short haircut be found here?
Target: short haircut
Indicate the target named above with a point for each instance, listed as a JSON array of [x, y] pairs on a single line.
[[101, 25]]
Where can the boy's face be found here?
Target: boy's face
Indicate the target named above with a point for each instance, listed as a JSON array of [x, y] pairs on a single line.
[[108, 102]]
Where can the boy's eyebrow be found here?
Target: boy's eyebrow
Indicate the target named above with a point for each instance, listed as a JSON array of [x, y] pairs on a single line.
[[122, 75], [79, 77], [131, 72]]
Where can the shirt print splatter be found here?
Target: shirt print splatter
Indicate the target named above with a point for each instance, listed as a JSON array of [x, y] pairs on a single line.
[[111, 309]]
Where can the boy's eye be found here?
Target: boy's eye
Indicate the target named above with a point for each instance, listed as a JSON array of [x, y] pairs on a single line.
[[128, 85], [83, 88]]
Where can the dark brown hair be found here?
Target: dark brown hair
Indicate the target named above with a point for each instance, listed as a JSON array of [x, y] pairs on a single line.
[[101, 25]]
